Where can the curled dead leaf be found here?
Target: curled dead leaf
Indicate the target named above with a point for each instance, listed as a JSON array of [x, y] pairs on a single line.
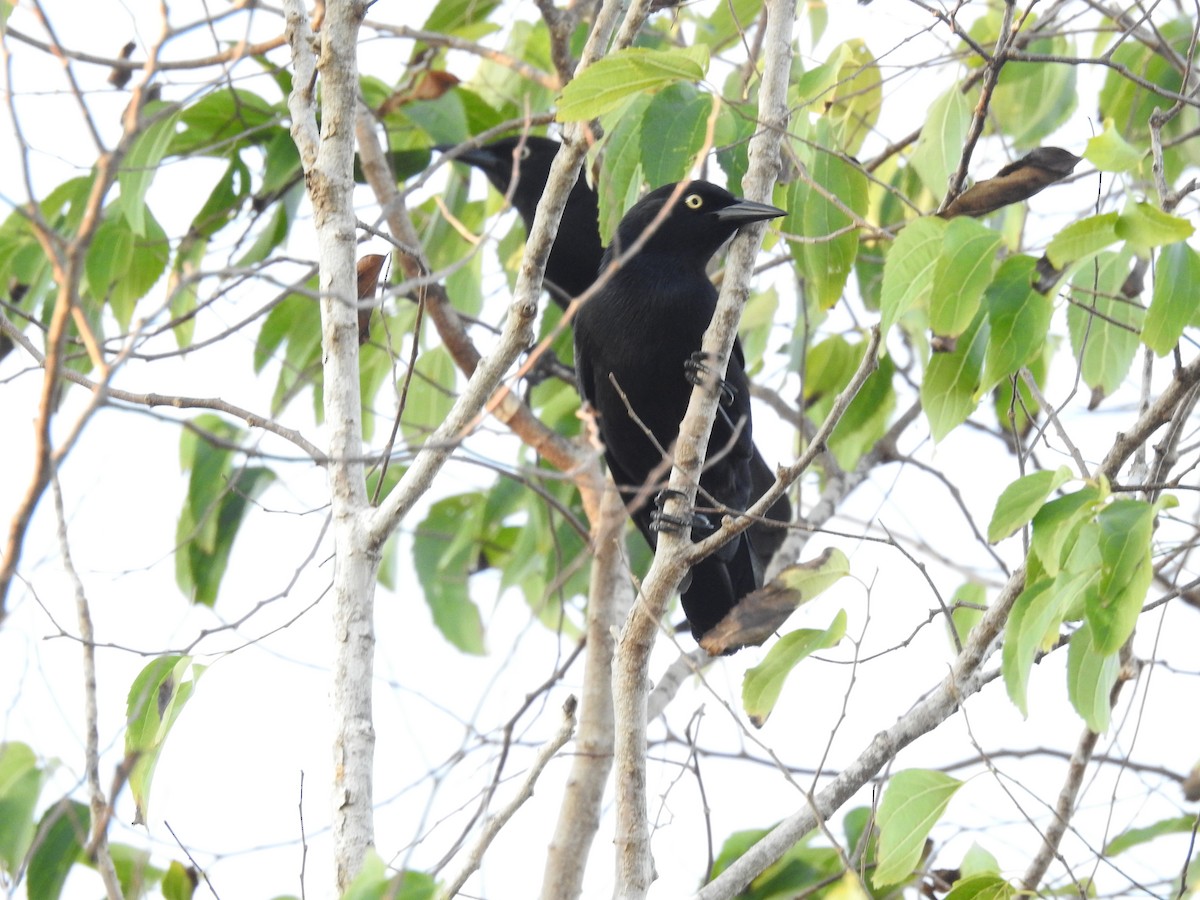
[[369, 268], [1020, 180]]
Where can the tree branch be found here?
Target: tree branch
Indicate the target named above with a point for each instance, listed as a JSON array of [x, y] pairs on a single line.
[[494, 823], [610, 594], [328, 161], [630, 678], [97, 847]]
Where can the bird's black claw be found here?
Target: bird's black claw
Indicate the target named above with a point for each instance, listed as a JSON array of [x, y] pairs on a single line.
[[697, 371], [660, 521], [548, 366]]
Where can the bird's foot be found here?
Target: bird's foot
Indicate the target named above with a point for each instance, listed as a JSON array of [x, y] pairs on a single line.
[[698, 372], [660, 521], [545, 367]]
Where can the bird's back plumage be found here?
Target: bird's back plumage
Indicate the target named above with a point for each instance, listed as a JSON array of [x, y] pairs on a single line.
[[576, 253]]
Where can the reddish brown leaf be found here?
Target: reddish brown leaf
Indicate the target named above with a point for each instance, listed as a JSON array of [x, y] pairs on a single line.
[[1017, 181], [757, 616], [427, 85], [369, 268]]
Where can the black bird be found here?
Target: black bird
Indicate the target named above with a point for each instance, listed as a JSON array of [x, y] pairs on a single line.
[[644, 328], [577, 251]]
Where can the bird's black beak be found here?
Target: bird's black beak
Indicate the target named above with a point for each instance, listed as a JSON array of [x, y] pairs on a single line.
[[745, 211], [480, 157]]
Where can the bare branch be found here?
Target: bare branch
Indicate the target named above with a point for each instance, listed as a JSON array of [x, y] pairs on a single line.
[[494, 823]]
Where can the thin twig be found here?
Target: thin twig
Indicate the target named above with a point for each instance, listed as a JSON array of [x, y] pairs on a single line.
[[492, 826]]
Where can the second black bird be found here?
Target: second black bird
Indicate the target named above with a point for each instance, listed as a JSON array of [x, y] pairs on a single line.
[[641, 329], [576, 253]]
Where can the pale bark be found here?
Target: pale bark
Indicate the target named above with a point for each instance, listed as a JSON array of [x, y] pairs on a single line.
[[492, 826], [610, 594], [97, 848], [634, 862], [328, 159]]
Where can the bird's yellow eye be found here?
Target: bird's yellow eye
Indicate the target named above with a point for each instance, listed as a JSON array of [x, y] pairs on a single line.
[[693, 201], [523, 153]]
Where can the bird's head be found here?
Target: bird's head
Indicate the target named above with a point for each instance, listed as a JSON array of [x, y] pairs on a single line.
[[702, 217], [532, 155]]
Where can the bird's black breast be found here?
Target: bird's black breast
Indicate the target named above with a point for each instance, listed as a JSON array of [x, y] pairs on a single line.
[[640, 330]]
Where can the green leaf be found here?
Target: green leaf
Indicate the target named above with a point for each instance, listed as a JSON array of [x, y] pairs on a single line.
[[607, 83], [848, 886], [20, 785], [1126, 527], [223, 202], [134, 871], [296, 321], [1034, 614], [912, 803], [375, 881], [762, 684], [1105, 327], [951, 381], [801, 867], [940, 145], [178, 883], [156, 698], [963, 271], [204, 451], [1133, 837], [910, 268], [452, 16], [727, 23], [1110, 152], [826, 258], [1078, 584], [987, 886], [184, 288], [978, 861], [276, 228], [859, 827], [1019, 318], [223, 117], [446, 551], [141, 165], [758, 320], [1173, 306], [218, 498], [430, 393], [857, 95], [282, 162], [508, 92], [966, 609], [817, 575], [1129, 104], [1033, 99], [1022, 499], [123, 266], [828, 368], [1056, 526], [1082, 239], [64, 831], [1144, 226], [732, 137], [1090, 679], [673, 131], [622, 175]]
